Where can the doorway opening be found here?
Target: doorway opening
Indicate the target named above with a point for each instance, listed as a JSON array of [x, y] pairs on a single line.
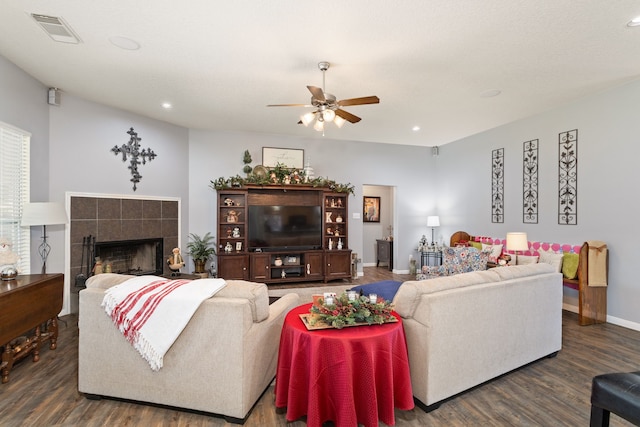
[[380, 232]]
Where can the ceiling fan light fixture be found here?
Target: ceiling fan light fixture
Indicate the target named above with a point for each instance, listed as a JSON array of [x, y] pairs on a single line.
[[306, 119], [339, 121], [319, 125], [328, 115]]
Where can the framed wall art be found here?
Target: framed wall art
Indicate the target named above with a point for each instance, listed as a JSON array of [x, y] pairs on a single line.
[[292, 158], [497, 185], [568, 178], [371, 209], [530, 182]]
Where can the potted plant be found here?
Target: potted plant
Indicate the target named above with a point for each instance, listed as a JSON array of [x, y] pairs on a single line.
[[201, 249]]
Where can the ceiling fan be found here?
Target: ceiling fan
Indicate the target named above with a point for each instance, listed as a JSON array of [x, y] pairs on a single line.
[[327, 108]]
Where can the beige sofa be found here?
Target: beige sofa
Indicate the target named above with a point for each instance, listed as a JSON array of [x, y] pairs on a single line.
[[222, 362], [466, 329]]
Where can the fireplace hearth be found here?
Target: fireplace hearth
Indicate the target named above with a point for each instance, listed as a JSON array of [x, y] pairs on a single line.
[[138, 257]]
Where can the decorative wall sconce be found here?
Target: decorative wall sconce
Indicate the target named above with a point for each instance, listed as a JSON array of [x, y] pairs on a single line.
[[132, 149]]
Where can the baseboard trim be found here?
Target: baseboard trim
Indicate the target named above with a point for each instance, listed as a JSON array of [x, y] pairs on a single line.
[[610, 319]]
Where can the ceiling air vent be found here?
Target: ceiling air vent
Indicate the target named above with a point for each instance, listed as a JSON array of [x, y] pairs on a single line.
[[56, 28]]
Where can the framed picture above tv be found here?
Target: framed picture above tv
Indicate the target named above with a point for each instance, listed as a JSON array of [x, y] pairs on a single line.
[[292, 158], [371, 209]]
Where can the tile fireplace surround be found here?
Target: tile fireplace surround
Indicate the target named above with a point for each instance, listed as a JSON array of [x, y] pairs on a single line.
[[113, 219]]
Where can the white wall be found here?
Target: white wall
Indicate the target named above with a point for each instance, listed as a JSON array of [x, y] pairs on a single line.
[[608, 209], [82, 134], [23, 104], [219, 154]]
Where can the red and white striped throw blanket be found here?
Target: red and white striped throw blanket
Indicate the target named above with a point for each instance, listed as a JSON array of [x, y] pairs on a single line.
[[152, 311]]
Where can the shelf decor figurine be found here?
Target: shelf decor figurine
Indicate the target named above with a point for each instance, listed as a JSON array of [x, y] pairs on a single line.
[[175, 262], [8, 260]]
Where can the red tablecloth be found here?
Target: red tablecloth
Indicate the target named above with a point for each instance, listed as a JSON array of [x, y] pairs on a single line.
[[349, 376]]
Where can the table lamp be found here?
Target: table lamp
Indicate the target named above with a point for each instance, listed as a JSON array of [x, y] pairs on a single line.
[[433, 222], [44, 213], [517, 241]]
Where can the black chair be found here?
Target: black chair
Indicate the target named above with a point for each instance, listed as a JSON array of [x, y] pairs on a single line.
[[618, 393]]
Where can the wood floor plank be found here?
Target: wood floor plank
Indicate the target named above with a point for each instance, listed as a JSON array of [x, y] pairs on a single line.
[[549, 392]]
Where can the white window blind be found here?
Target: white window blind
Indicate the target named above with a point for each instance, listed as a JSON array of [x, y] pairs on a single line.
[[14, 191]]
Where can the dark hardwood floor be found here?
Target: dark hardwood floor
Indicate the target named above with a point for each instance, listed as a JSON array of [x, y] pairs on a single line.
[[550, 392]]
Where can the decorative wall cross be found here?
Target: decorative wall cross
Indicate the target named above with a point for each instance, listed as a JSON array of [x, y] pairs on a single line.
[[132, 149]]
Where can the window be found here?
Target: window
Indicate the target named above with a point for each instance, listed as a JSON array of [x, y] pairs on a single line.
[[14, 191]]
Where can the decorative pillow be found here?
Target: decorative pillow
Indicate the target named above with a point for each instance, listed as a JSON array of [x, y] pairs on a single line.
[[496, 251], [550, 257], [570, 265], [463, 260], [477, 245], [527, 259]]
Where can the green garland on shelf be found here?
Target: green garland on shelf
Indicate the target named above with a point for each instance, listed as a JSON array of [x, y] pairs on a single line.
[[282, 176]]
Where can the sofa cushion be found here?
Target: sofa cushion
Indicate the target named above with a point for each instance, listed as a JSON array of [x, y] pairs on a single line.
[[256, 293], [106, 280], [409, 294], [552, 258], [526, 259], [516, 271]]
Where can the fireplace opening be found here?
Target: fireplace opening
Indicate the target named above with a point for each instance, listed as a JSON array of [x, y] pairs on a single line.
[[137, 257]]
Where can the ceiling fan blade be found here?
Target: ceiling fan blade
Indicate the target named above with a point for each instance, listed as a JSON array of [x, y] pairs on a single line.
[[347, 116], [317, 93], [359, 101], [289, 105]]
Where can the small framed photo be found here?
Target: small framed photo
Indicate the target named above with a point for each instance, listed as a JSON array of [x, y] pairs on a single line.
[[291, 158], [238, 246], [371, 209]]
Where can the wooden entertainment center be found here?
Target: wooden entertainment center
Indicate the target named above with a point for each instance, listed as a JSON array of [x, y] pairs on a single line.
[[323, 256]]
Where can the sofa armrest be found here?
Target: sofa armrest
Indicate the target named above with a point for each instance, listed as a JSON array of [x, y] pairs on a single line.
[[284, 304]]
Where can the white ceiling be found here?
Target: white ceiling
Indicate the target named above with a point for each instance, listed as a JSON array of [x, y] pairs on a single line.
[[221, 62]]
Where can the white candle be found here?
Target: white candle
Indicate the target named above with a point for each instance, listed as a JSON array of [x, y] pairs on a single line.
[[373, 298]]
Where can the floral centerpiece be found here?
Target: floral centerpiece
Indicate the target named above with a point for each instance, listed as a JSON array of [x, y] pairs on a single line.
[[345, 312]]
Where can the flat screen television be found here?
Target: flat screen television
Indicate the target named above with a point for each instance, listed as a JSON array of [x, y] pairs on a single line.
[[273, 228]]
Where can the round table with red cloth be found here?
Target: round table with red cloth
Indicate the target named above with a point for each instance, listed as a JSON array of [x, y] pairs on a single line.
[[355, 375]]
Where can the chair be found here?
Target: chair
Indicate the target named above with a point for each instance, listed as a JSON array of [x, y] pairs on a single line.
[[618, 393], [455, 261], [459, 236]]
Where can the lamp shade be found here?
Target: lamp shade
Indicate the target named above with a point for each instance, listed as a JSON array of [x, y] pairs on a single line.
[[45, 213], [517, 241], [433, 221]]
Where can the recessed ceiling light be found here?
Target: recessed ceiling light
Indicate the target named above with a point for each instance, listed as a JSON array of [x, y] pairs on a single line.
[[415, 128], [124, 43], [634, 22], [166, 105], [490, 93]]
